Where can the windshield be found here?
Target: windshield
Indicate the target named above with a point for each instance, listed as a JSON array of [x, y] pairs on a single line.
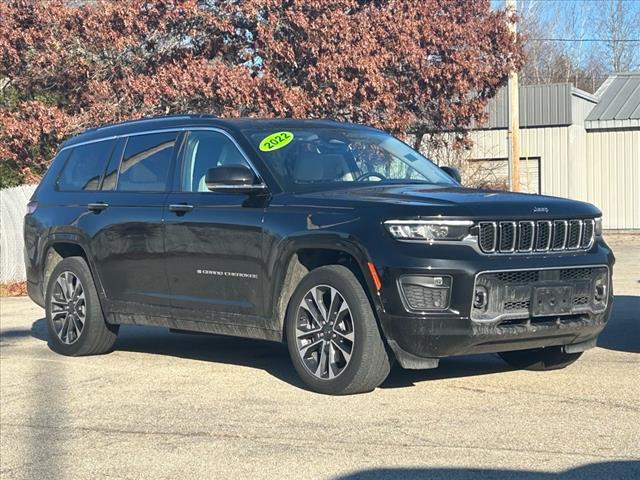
[[332, 157]]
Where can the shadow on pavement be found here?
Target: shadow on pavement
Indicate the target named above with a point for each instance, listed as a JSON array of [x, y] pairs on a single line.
[[604, 470], [268, 356], [622, 333], [453, 367]]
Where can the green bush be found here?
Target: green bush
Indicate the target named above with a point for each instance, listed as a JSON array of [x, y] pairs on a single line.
[[8, 176]]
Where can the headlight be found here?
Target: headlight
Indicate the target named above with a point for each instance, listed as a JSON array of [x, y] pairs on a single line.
[[598, 228], [428, 230]]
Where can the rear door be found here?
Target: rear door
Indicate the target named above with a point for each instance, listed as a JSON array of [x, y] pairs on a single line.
[[213, 240], [128, 238]]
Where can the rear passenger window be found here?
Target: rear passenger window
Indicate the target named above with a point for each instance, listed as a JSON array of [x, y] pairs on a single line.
[[111, 173], [146, 161], [85, 166]]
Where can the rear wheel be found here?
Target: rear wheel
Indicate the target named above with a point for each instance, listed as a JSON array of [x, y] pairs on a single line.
[[75, 320], [332, 334], [540, 359]]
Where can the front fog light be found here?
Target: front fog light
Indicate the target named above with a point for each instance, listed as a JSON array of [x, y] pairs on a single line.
[[480, 298], [600, 293], [426, 292], [429, 230]]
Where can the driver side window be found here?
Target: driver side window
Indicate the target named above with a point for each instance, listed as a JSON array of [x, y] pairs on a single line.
[[204, 150]]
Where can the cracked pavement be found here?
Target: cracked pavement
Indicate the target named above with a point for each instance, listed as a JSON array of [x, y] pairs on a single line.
[[183, 406]]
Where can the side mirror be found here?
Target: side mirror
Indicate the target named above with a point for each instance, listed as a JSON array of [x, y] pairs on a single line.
[[232, 178], [453, 173]]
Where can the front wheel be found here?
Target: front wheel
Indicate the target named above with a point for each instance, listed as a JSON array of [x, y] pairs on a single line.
[[332, 334], [540, 359]]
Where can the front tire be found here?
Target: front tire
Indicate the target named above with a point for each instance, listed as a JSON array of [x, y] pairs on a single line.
[[75, 320], [332, 334], [540, 359]]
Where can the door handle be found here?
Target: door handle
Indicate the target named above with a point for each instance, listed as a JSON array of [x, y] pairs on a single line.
[[97, 207], [180, 208]]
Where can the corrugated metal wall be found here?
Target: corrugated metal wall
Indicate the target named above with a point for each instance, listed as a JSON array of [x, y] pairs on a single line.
[[543, 143], [540, 105], [599, 167], [612, 176]]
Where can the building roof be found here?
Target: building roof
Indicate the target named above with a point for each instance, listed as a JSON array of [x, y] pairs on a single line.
[[618, 102], [547, 105]]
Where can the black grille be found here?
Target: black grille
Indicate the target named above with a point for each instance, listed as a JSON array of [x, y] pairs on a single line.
[[575, 273], [587, 233], [424, 298], [507, 236], [525, 236], [559, 241], [573, 236], [514, 294], [582, 300], [511, 306], [519, 276], [487, 237], [541, 236]]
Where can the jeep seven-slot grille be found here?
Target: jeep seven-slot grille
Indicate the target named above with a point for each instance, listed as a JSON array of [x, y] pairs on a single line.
[[535, 236]]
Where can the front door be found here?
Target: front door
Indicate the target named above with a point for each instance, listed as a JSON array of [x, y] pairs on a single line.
[[213, 241]]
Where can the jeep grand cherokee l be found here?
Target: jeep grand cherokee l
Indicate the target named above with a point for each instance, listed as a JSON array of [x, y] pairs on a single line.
[[338, 239]]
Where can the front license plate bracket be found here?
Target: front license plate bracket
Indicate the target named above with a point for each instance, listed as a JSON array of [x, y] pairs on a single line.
[[556, 300]]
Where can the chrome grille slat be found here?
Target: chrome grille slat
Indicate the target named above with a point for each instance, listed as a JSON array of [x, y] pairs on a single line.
[[530, 236]]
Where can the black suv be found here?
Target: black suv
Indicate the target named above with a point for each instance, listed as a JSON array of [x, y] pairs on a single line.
[[338, 239]]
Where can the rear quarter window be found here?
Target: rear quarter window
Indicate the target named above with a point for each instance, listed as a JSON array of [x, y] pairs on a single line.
[[146, 161], [84, 167]]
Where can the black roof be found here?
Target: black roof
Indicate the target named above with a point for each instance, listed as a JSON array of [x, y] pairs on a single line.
[[200, 120]]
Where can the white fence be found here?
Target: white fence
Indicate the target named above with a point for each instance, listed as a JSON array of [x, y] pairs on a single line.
[[13, 206]]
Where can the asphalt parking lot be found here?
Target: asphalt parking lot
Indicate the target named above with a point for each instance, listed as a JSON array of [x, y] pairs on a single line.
[[191, 406]]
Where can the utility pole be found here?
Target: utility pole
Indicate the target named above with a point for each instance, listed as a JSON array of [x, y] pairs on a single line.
[[514, 117]]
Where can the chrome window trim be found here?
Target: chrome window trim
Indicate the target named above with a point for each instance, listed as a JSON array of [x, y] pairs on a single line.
[[500, 317], [261, 185]]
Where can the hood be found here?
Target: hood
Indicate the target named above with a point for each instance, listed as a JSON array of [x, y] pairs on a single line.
[[421, 200]]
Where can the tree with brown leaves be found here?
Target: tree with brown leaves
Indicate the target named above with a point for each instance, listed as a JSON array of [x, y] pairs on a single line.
[[408, 66]]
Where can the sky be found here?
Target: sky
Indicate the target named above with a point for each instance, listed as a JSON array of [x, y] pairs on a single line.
[[575, 21]]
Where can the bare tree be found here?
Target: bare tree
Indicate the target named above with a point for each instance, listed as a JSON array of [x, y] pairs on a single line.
[[559, 40], [619, 23]]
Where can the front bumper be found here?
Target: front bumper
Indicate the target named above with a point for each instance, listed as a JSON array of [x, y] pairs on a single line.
[[418, 338]]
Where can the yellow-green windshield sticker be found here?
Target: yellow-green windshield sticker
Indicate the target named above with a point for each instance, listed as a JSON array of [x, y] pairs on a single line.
[[275, 141]]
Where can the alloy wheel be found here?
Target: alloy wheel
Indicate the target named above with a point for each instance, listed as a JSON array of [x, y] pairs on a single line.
[[68, 308], [324, 332]]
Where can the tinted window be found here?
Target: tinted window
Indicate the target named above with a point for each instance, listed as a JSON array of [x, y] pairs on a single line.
[[85, 166], [146, 161], [205, 150], [111, 174]]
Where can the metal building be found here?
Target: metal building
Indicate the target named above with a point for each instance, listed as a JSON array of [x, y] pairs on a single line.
[[573, 144]]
